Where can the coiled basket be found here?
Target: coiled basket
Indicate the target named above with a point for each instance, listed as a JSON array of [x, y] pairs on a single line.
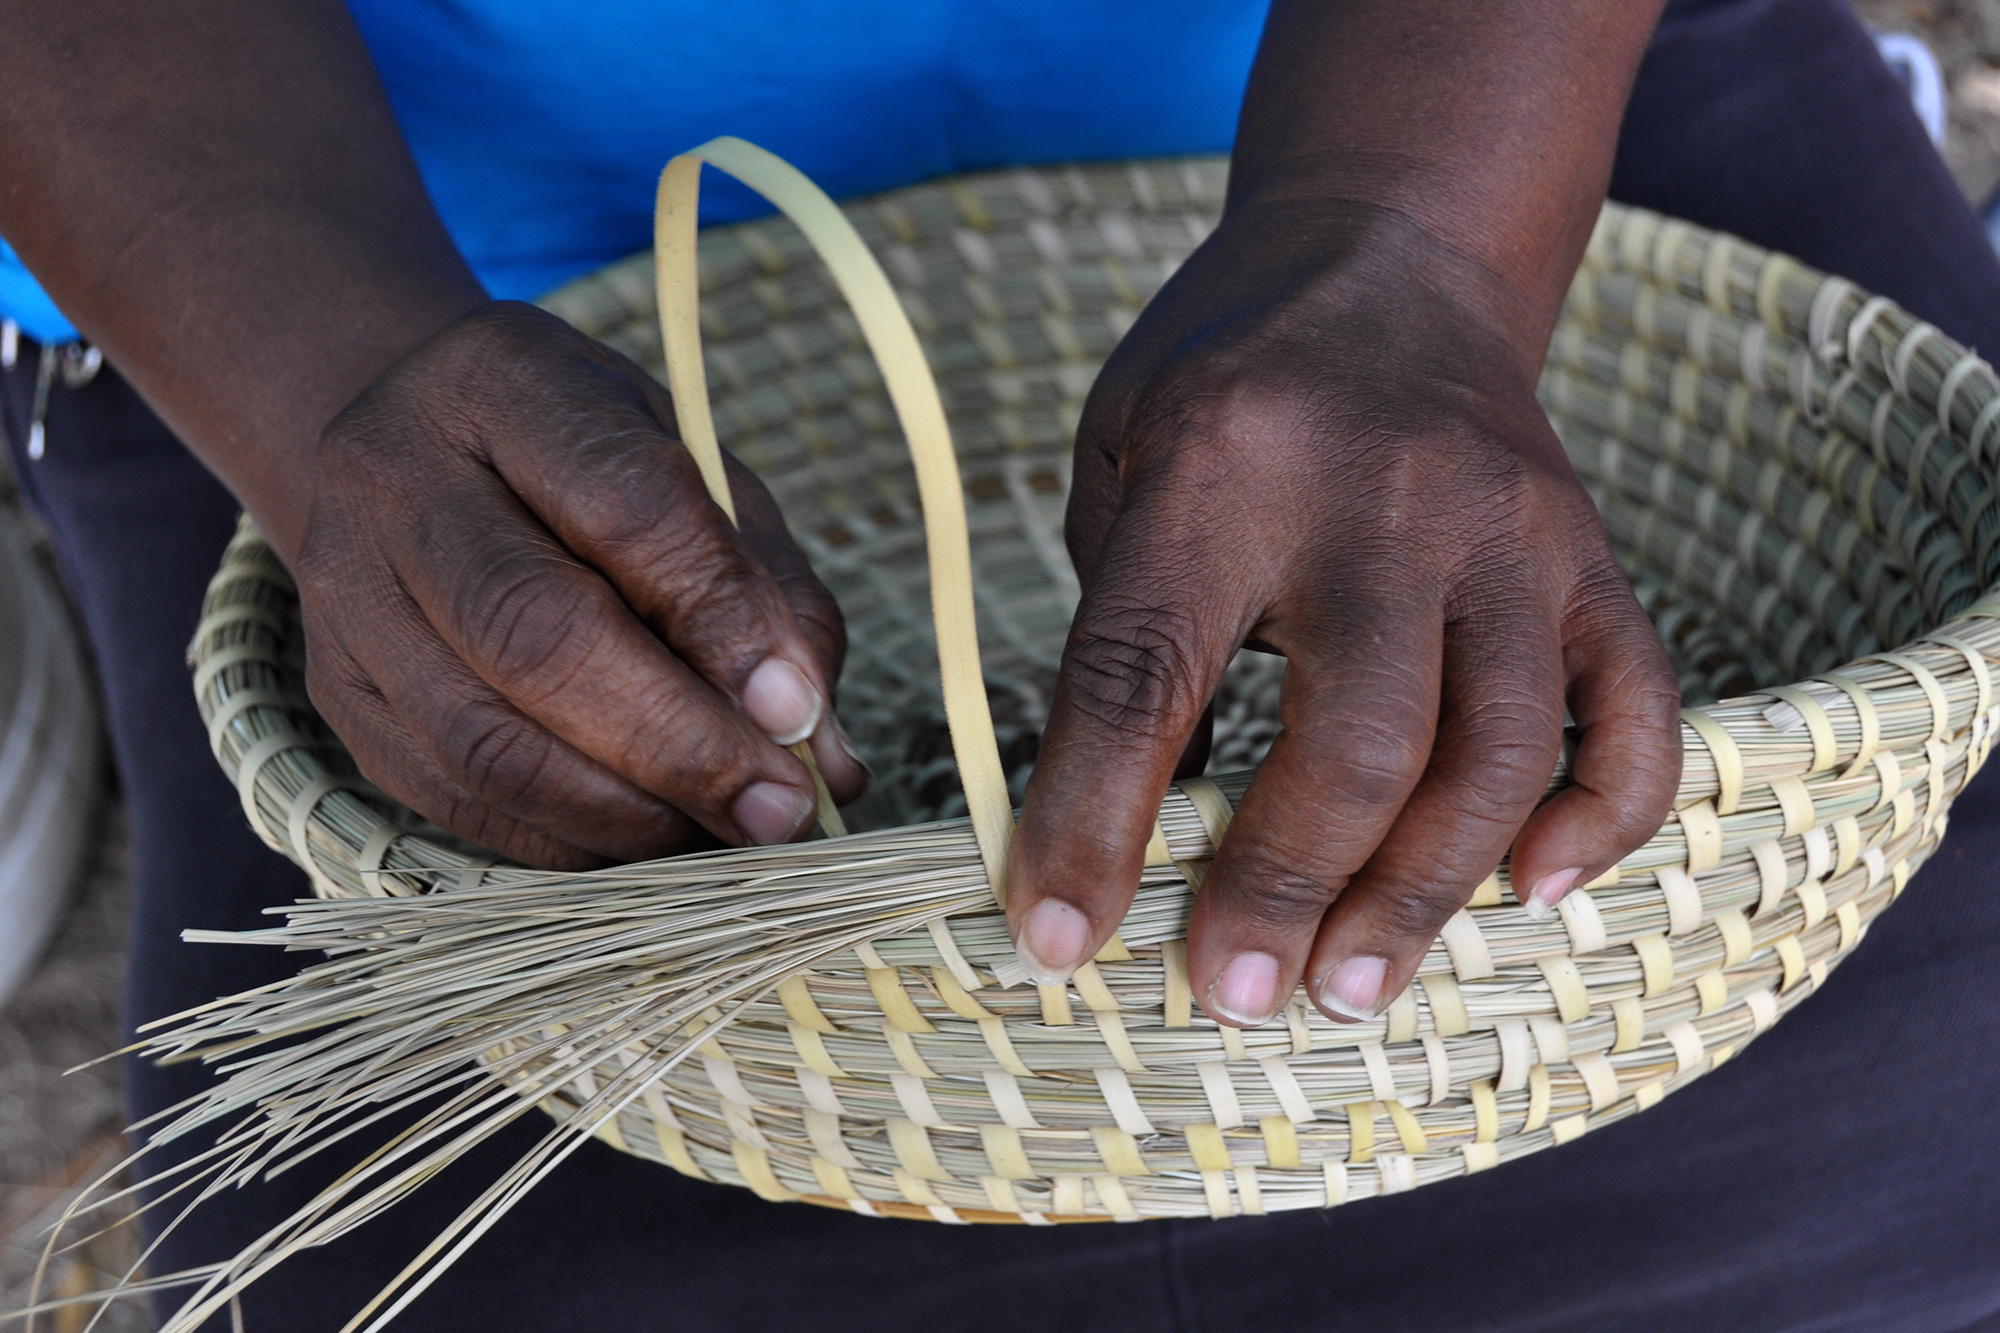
[[1797, 478]]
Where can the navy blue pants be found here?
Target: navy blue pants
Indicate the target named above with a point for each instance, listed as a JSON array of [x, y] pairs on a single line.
[[1841, 1175]]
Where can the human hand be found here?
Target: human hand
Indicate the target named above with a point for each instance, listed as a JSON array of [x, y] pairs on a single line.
[[529, 622], [1321, 440]]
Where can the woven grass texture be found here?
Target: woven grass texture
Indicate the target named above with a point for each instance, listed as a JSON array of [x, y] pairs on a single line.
[[1797, 478]]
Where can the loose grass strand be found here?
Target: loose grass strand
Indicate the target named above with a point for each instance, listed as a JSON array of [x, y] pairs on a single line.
[[1797, 481]]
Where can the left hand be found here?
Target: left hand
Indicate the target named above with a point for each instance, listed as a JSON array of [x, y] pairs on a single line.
[[1322, 440]]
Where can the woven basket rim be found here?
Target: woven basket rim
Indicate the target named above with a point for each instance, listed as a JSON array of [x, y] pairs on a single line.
[[1801, 813]]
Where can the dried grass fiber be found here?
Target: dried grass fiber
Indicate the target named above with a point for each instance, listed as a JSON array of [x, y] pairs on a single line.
[[1797, 477]]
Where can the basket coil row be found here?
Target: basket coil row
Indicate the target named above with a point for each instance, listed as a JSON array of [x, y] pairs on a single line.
[[1797, 477]]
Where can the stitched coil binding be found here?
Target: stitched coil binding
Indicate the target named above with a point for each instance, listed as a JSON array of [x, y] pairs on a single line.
[[1795, 476]]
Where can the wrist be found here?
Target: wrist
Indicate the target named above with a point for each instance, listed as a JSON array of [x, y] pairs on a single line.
[[1490, 129], [1435, 228], [258, 422], [1430, 296]]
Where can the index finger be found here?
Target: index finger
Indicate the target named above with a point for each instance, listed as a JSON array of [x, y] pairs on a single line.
[[561, 645]]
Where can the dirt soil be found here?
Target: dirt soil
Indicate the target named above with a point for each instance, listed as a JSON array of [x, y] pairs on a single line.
[[57, 1131], [1965, 37]]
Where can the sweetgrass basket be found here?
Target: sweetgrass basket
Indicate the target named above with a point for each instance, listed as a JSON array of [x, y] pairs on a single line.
[[1796, 476]]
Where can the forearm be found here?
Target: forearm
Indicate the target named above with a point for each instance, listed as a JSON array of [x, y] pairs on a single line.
[[1488, 129], [217, 194]]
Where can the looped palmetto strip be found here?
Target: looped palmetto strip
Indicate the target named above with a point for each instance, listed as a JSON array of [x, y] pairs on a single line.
[[1791, 471], [915, 396]]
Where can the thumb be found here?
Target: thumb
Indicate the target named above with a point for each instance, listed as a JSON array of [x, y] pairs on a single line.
[[1145, 653]]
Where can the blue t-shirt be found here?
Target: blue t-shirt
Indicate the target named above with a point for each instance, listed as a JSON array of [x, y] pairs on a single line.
[[541, 125]]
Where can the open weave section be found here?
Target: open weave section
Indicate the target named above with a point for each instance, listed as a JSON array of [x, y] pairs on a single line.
[[1797, 477]]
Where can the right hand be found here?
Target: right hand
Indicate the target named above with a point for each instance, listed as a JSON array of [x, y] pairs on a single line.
[[1322, 439], [531, 624]]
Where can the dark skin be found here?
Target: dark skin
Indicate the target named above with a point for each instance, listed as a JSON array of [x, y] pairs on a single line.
[[530, 623]]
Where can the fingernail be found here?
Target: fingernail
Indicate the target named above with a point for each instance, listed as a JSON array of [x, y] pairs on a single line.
[[1247, 990], [1052, 942], [771, 812], [1548, 891], [1354, 989], [782, 701]]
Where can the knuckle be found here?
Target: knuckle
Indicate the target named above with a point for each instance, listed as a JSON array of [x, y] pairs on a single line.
[[1636, 809], [1418, 912], [1600, 593], [1601, 605], [1279, 887], [1276, 895], [1219, 421], [686, 754], [620, 473], [496, 755], [711, 583], [522, 627], [819, 617], [1378, 762], [473, 819], [344, 695], [331, 677], [696, 580], [469, 817], [499, 339], [1128, 669], [1630, 827], [1654, 747], [1514, 748]]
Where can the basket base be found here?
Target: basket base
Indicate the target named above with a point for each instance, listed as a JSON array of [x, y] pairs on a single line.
[[916, 1212]]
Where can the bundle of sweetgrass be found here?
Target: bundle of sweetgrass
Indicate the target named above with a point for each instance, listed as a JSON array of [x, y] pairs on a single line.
[[1796, 476]]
